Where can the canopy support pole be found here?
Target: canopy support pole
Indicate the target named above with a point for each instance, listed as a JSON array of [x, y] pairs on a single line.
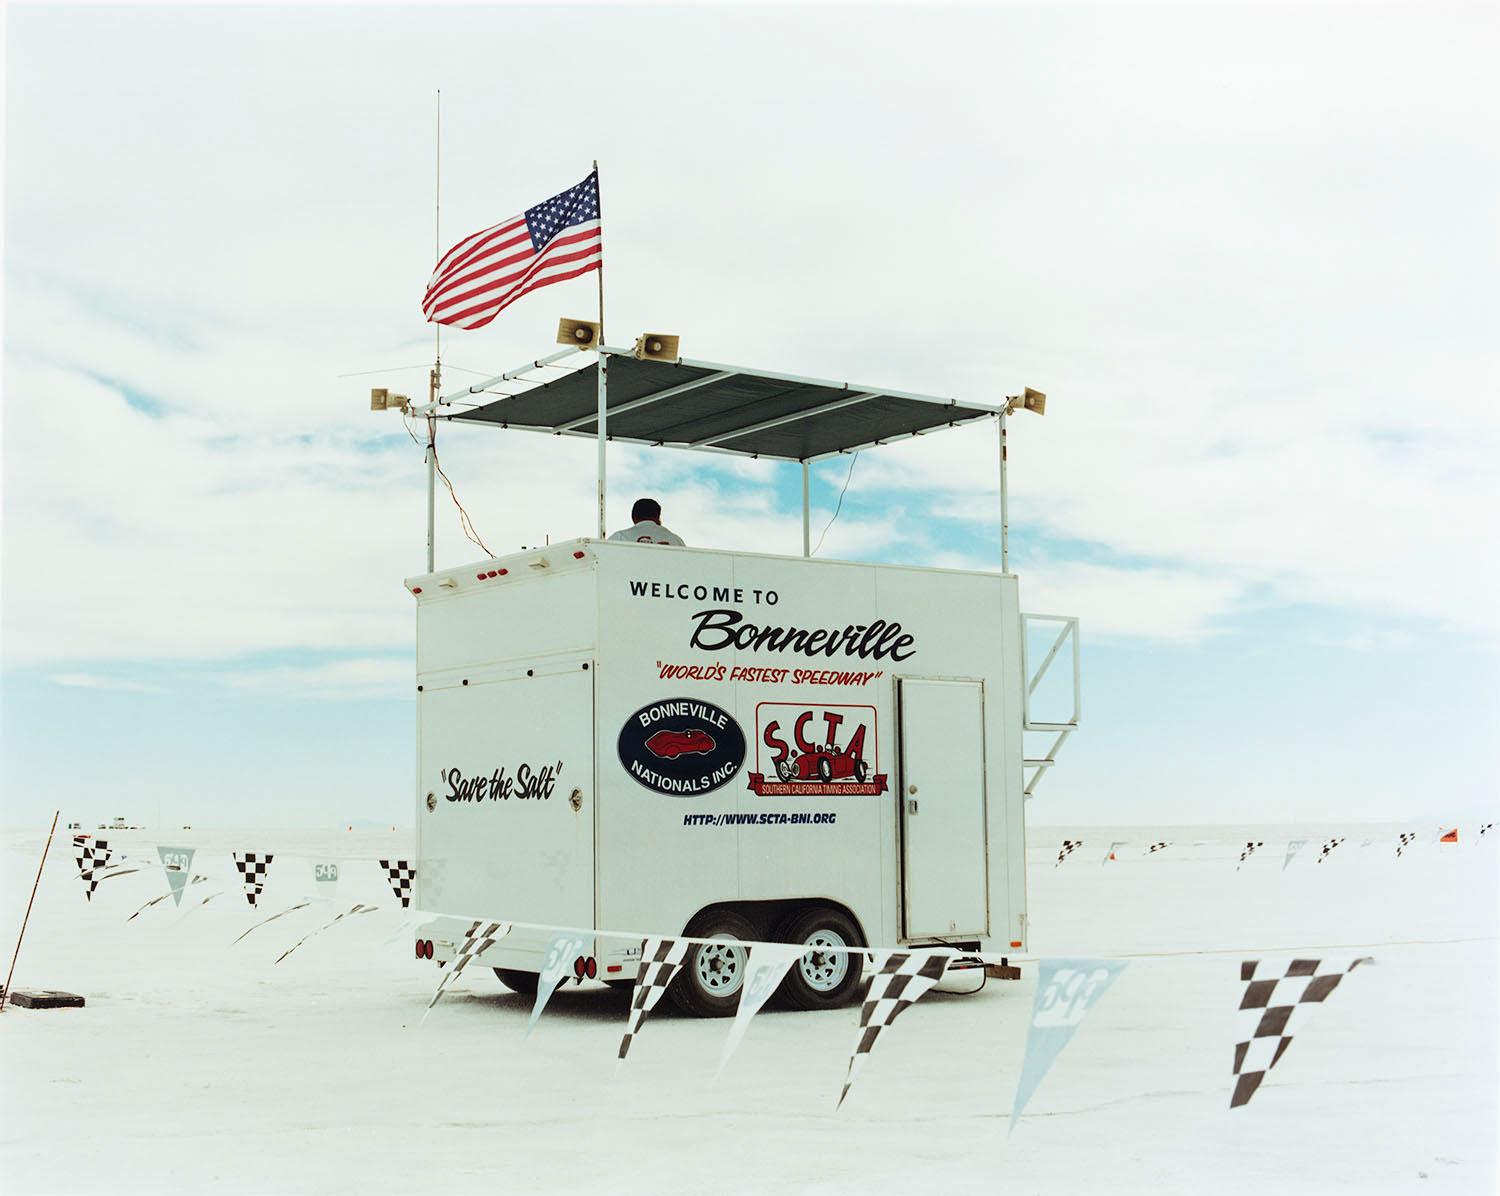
[[431, 490], [603, 414], [806, 516], [1004, 503]]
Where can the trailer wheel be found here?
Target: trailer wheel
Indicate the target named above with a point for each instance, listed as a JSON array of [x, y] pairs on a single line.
[[823, 978], [714, 973], [521, 982]]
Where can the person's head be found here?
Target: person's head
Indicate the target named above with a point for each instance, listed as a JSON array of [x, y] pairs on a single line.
[[644, 509]]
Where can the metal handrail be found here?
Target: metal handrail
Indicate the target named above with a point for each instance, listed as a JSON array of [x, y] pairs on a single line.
[[1068, 631]]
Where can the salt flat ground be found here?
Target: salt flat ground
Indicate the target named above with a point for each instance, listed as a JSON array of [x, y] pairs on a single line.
[[204, 1066]]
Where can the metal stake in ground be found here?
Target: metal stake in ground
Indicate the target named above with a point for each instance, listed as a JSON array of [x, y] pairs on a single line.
[[5, 997]]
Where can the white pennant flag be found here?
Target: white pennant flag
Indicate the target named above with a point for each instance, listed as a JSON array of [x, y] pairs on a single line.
[[562, 950], [767, 965]]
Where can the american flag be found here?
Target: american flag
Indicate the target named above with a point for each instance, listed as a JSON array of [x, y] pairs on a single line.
[[484, 274]]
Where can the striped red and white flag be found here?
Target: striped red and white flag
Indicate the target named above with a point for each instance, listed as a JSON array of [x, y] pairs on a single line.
[[482, 275]]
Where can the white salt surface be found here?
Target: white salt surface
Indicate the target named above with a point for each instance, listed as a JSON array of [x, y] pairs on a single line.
[[200, 1066]]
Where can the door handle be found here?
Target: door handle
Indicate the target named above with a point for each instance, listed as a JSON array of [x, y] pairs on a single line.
[[911, 805]]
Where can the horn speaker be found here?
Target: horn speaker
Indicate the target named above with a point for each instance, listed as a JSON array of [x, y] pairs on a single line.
[[581, 334]]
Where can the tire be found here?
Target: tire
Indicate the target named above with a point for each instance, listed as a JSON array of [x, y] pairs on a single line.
[[825, 769], [862, 771], [818, 980], [522, 982], [712, 975]]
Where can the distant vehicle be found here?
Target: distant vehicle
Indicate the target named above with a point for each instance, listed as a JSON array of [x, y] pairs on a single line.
[[671, 744], [822, 764]]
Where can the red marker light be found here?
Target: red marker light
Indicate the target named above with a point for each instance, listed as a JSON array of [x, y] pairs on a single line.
[[614, 967], [578, 556], [480, 576], [503, 572], [416, 589], [492, 573]]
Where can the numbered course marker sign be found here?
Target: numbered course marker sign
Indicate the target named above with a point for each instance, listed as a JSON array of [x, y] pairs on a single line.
[[177, 862], [326, 878]]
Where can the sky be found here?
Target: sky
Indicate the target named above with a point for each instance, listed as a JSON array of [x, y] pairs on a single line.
[[1250, 253]]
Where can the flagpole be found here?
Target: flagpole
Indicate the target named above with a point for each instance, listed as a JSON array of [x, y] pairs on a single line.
[[603, 367], [5, 993], [435, 382]]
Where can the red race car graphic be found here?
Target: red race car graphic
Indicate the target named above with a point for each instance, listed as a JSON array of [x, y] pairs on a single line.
[[822, 764], [671, 744]]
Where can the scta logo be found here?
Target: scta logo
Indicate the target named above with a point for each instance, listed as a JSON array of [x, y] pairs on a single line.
[[815, 751]]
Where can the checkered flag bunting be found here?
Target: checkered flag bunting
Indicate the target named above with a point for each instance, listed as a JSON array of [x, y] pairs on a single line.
[[93, 858], [478, 939], [1069, 846], [1155, 847], [253, 867], [1486, 829], [661, 960], [1406, 841], [400, 874], [1328, 848], [1277, 993], [1249, 851], [901, 980]]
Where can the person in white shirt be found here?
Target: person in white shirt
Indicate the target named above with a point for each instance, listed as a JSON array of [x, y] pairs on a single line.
[[647, 528]]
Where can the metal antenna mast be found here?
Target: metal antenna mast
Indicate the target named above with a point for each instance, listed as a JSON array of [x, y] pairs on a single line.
[[435, 380]]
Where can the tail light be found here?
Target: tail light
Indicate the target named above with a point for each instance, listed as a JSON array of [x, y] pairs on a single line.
[[419, 949]]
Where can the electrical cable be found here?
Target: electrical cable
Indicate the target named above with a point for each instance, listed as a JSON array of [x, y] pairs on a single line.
[[840, 505], [463, 516]]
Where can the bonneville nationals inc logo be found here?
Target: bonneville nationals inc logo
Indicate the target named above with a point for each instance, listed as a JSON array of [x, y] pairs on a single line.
[[681, 746]]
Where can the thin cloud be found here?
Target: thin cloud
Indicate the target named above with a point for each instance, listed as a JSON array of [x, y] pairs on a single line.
[[96, 681]]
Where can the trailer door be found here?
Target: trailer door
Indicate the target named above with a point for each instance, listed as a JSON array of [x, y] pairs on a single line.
[[507, 769], [944, 884]]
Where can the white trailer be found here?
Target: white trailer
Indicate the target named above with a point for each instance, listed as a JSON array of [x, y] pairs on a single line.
[[632, 739]]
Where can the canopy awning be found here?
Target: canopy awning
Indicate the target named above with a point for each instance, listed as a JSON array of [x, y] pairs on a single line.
[[718, 408]]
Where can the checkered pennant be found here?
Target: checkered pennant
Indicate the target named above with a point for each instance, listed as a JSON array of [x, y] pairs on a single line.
[[400, 874], [1155, 847], [1249, 851], [903, 978], [478, 939], [1486, 829], [1069, 846], [93, 858], [661, 960], [1406, 841], [1328, 848], [253, 868], [1277, 992]]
